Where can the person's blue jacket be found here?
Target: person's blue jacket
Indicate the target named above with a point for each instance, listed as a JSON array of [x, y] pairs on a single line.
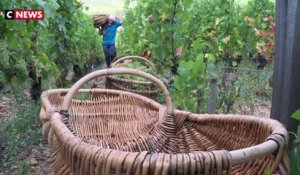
[[109, 36]]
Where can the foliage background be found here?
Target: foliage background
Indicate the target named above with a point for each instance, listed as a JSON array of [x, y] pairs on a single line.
[[191, 42]]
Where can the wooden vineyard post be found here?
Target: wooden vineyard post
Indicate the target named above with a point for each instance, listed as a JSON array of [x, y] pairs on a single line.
[[286, 89], [212, 105]]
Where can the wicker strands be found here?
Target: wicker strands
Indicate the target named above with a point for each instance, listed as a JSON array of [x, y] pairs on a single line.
[[144, 88], [100, 20], [118, 132]]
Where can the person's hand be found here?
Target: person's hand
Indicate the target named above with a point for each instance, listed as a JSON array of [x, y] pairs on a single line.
[[101, 31], [118, 17]]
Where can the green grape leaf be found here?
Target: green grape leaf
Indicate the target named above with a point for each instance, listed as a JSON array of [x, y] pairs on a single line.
[[234, 63], [27, 43], [210, 57], [267, 170], [22, 29], [296, 115], [226, 39], [217, 21]]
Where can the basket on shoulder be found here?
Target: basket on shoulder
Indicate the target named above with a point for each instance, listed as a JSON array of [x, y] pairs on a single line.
[[120, 132], [100, 21]]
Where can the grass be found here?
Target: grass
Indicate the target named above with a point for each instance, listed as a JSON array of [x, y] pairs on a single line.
[[18, 136]]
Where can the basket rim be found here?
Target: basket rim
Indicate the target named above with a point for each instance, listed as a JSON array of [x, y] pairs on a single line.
[[121, 58], [47, 105], [114, 78], [114, 71], [238, 156], [134, 90]]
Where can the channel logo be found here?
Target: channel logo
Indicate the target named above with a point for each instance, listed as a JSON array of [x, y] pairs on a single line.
[[24, 14]]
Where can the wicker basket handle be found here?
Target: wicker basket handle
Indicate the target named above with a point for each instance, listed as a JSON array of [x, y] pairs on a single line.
[[146, 61], [113, 71]]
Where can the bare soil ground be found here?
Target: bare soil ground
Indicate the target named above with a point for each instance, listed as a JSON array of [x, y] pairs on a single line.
[[39, 156], [40, 159], [5, 108]]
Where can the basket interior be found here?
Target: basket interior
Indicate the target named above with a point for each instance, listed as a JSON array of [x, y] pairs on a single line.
[[130, 122], [129, 84], [107, 118]]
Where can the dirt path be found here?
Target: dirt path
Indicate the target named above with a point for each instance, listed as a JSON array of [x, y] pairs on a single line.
[[5, 109], [40, 159], [37, 156]]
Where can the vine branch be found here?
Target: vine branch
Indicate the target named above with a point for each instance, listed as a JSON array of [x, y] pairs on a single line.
[[174, 58]]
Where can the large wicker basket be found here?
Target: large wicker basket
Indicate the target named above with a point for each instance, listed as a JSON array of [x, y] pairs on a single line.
[[118, 132], [145, 88]]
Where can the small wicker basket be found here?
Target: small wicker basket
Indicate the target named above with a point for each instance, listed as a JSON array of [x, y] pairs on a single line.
[[144, 88], [118, 132]]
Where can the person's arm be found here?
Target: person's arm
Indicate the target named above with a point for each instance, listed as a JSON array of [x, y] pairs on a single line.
[[101, 30], [118, 21]]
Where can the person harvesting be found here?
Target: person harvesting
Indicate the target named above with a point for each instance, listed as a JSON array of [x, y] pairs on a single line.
[[109, 32]]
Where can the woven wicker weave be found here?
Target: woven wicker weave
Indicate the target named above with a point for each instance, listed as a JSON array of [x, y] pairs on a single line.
[[118, 132], [100, 20], [144, 88]]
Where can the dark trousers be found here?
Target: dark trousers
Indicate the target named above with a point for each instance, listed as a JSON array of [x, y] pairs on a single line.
[[110, 53]]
